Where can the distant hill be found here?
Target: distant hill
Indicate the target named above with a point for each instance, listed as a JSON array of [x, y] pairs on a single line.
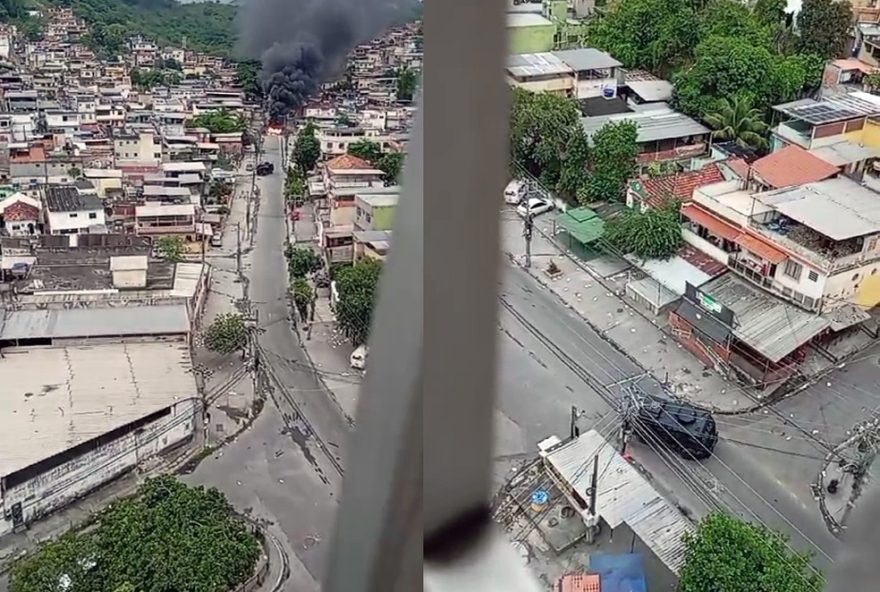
[[207, 26]]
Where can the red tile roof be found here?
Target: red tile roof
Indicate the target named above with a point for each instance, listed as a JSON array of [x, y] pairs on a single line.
[[701, 261], [579, 583], [348, 162], [658, 191], [20, 211], [792, 166]]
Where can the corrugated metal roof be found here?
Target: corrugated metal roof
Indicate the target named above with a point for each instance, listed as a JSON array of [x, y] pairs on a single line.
[[95, 322], [57, 397], [838, 208], [536, 64], [764, 322], [661, 123], [586, 58], [624, 496], [527, 19]]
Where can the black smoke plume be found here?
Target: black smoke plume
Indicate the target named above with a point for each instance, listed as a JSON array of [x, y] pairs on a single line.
[[302, 42]]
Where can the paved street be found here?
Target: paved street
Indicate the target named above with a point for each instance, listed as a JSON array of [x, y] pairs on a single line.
[[537, 390], [277, 470]]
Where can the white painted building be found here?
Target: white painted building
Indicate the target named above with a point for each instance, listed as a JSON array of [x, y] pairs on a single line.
[[87, 414], [68, 211]]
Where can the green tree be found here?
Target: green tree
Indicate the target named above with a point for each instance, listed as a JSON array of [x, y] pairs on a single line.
[[730, 18], [369, 151], [190, 531], [541, 127], [612, 160], [738, 120], [302, 296], [307, 148], [74, 172], [823, 26], [247, 75], [574, 178], [301, 261], [226, 334], [655, 35], [730, 555], [406, 84], [220, 121], [295, 186], [357, 288], [172, 248], [770, 11], [391, 164], [653, 234], [732, 66]]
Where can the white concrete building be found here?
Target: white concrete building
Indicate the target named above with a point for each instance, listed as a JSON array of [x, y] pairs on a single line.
[[68, 211], [87, 414]]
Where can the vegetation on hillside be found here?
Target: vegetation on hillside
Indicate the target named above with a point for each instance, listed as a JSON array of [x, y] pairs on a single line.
[[166, 537], [206, 26], [652, 234], [725, 49]]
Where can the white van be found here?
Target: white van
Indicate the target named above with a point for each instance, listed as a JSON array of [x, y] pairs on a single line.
[[358, 359], [515, 192]]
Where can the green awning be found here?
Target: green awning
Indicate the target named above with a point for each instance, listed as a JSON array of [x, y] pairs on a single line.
[[582, 224]]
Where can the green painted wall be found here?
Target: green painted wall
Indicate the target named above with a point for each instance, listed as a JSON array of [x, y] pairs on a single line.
[[535, 39], [383, 217]]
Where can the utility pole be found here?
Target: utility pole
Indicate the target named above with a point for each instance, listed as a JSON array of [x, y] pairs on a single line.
[[238, 248], [528, 225], [594, 485], [573, 428]]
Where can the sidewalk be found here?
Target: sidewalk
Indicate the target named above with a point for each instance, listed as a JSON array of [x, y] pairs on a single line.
[[327, 348], [228, 385], [641, 337]]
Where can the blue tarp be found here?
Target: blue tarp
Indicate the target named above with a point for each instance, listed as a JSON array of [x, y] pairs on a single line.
[[619, 573]]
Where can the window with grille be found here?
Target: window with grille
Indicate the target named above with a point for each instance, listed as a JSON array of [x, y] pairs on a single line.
[[813, 276]]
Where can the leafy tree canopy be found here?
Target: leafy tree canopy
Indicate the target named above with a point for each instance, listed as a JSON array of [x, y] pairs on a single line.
[[612, 160], [369, 151], [653, 234], [391, 164], [729, 554], [406, 84], [650, 34], [727, 67], [541, 128], [302, 261], [737, 120], [220, 121], [190, 532], [172, 248], [357, 286], [151, 78], [824, 27], [207, 26], [247, 74], [226, 334], [307, 149]]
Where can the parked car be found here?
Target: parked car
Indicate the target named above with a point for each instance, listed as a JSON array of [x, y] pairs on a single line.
[[217, 240], [515, 192], [249, 167], [534, 206], [265, 168]]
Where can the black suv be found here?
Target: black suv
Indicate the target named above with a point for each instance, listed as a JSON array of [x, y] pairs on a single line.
[[265, 168]]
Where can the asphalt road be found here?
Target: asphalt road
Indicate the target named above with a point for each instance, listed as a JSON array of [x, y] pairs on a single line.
[[285, 470], [549, 360]]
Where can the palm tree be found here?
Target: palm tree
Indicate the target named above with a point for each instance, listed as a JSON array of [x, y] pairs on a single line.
[[738, 120]]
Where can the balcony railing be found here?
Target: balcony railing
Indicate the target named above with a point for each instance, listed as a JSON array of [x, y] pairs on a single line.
[[742, 268]]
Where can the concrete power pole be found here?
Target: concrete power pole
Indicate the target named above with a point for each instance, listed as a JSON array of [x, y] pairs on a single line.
[[238, 248], [528, 226]]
